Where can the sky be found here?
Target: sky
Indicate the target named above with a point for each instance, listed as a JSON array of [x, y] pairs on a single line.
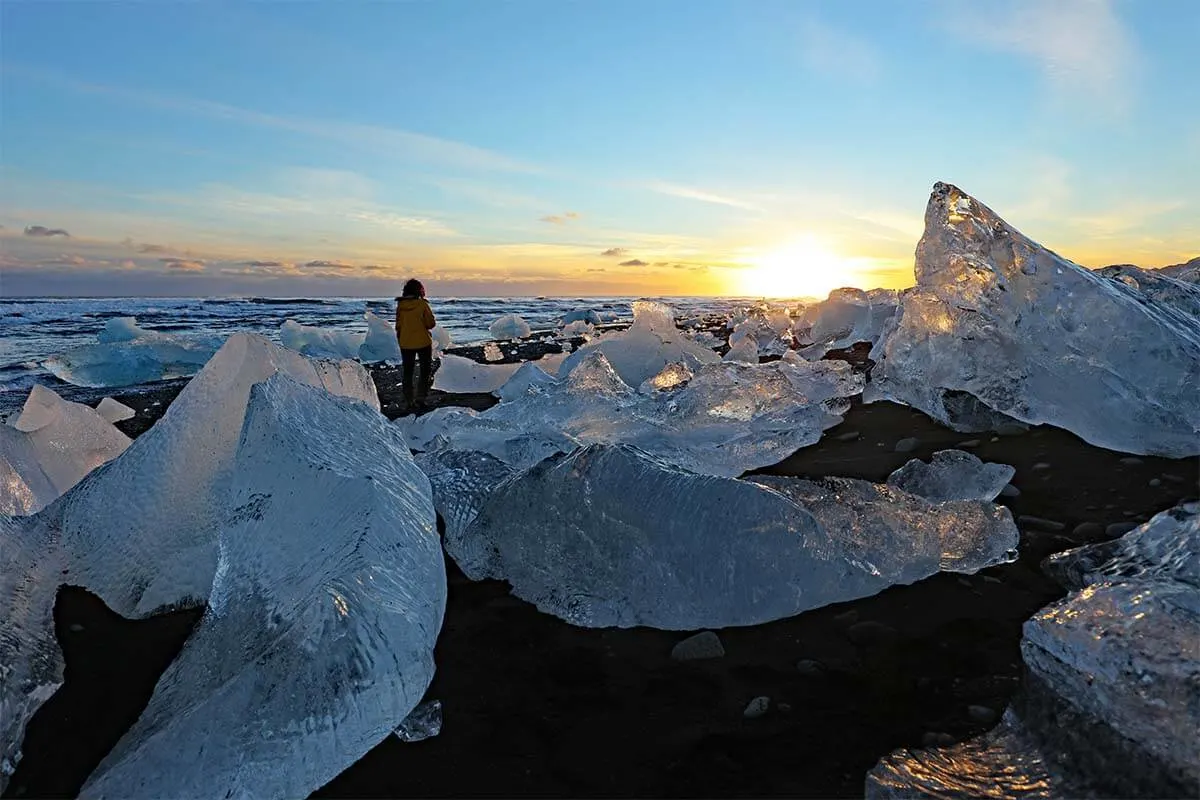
[[593, 147]]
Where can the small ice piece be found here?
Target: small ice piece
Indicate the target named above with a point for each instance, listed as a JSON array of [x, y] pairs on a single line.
[[846, 317], [320, 342], [423, 723], [577, 328], [381, 343], [492, 352], [319, 634], [528, 378], [952, 475], [509, 326], [49, 448], [744, 351], [672, 376], [586, 316], [126, 355], [461, 375], [650, 344], [1024, 333], [114, 410], [667, 548], [156, 547]]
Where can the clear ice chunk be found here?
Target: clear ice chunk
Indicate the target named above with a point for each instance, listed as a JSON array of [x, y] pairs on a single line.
[[612, 536], [114, 410], [319, 633], [509, 326], [1159, 286], [457, 374], [1030, 335], [846, 317], [320, 342], [461, 480], [381, 343], [423, 723], [744, 351], [529, 378], [49, 448], [952, 475], [142, 533], [588, 316], [650, 344], [127, 355]]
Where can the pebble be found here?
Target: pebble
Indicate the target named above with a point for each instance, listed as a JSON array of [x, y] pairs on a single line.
[[1088, 530], [907, 445], [809, 668], [705, 644], [1132, 461], [995, 439], [757, 707], [990, 579], [981, 714], [969, 443], [1010, 491], [848, 436], [870, 632], [1041, 466], [1155, 483], [76, 627], [1041, 524], [1119, 529]]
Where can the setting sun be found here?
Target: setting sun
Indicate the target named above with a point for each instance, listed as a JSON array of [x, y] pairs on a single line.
[[804, 267]]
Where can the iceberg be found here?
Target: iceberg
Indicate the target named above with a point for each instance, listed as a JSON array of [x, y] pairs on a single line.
[[126, 355], [320, 342], [318, 638], [509, 326], [650, 344], [612, 536], [1016, 330], [1112, 677], [156, 546], [725, 419], [49, 448], [114, 410], [952, 475]]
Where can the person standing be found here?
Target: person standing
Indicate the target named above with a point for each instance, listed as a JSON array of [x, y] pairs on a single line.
[[414, 320]]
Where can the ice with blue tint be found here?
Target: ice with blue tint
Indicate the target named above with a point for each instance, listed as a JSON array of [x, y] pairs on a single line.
[[509, 326], [381, 343], [952, 475], [126, 355], [320, 342]]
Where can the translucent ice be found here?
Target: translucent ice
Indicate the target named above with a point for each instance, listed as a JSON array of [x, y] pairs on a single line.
[[320, 342], [460, 375], [462, 481], [577, 328], [529, 377], [1159, 287], [114, 411], [727, 418], [611, 536], [650, 344], [141, 533], [744, 351], [49, 448], [587, 316], [423, 723], [1021, 331], [381, 343], [318, 639], [846, 317], [509, 326], [952, 475], [126, 355]]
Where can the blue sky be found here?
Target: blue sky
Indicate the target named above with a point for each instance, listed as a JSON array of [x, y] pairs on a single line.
[[504, 147]]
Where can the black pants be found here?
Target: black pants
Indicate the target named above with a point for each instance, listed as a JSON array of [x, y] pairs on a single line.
[[409, 358]]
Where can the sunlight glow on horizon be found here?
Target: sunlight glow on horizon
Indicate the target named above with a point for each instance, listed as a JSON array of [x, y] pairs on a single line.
[[802, 267]]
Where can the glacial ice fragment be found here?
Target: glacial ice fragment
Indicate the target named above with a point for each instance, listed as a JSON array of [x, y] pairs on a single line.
[[509, 326], [1157, 286], [612, 536], [1025, 333], [49, 448], [423, 723], [114, 410], [320, 342], [318, 639], [952, 475], [457, 374], [381, 343], [650, 344], [587, 316], [529, 377], [744, 351], [126, 355], [156, 546]]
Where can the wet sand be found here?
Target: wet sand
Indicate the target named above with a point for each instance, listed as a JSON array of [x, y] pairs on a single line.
[[535, 707]]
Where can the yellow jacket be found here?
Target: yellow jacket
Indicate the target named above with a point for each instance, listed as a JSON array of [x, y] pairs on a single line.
[[414, 319]]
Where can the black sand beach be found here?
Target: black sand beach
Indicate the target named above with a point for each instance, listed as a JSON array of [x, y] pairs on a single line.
[[535, 707]]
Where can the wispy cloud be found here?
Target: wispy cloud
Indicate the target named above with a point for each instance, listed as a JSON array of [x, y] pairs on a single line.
[[633, 262], [183, 265], [560, 219], [1082, 46], [614, 252], [838, 53], [701, 195]]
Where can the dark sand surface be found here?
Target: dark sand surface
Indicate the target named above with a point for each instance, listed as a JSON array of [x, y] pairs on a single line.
[[535, 707]]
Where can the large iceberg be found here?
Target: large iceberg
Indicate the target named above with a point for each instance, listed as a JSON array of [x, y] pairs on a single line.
[[651, 343], [1112, 677], [724, 419], [998, 323], [320, 342], [319, 634], [612, 536], [126, 355], [141, 532], [49, 448]]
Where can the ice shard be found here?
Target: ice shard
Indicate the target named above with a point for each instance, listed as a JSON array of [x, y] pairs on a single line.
[[141, 533], [319, 633], [381, 343], [952, 475], [49, 448], [320, 342], [529, 377], [845, 317], [651, 343], [509, 326], [612, 536], [1022, 332], [126, 355], [725, 419], [114, 410], [743, 351]]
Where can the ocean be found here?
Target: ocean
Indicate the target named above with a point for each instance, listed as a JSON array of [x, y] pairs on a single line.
[[34, 329]]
